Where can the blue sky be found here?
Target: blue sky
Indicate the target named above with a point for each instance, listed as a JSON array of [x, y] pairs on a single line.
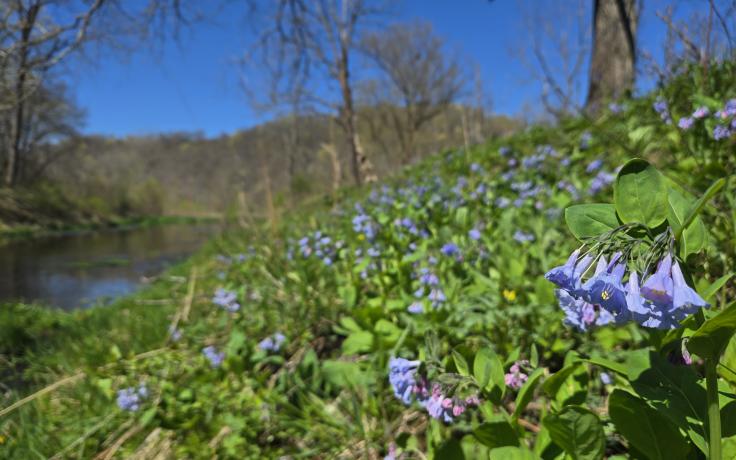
[[193, 84]]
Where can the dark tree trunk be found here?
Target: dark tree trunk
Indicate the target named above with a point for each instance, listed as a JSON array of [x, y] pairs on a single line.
[[613, 62], [361, 167], [12, 159]]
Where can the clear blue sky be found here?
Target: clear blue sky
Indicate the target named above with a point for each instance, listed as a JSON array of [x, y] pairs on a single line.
[[193, 84]]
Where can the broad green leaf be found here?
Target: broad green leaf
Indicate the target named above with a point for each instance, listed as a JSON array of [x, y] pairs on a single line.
[[608, 364], [357, 342], [496, 433], [646, 429], [526, 393], [553, 383], [578, 431], [640, 194], [710, 340], [460, 363], [450, 450], [588, 220], [512, 453], [488, 370], [678, 207], [671, 390]]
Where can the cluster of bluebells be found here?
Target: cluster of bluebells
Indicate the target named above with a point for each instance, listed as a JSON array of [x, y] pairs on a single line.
[[213, 356], [429, 289], [725, 118], [130, 399], [319, 246], [660, 106], [272, 343], [227, 300], [515, 378], [409, 386], [523, 237], [662, 301]]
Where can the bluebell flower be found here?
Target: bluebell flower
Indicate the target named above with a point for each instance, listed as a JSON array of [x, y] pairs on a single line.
[[129, 399], [661, 107], [402, 377], [436, 296], [272, 343], [450, 249], [213, 356], [504, 151], [415, 308], [684, 298], [585, 140], [503, 202], [594, 166], [474, 234], [658, 288], [615, 108], [606, 378], [523, 237], [721, 132], [701, 112], [578, 313], [600, 181], [605, 288], [685, 123], [567, 276], [428, 278], [226, 299], [730, 108], [174, 333]]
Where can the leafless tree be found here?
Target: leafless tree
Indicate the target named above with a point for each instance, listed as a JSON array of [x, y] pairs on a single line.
[[555, 50], [699, 37], [36, 36], [309, 39], [613, 62], [419, 79]]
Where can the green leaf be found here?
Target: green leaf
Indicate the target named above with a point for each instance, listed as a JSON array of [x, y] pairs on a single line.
[[710, 193], [640, 194], [526, 393], [553, 383], [587, 220], [512, 453], [608, 364], [357, 342], [673, 391], [450, 450], [496, 433], [487, 369], [645, 428], [710, 340], [709, 292], [578, 431], [694, 236], [460, 363]]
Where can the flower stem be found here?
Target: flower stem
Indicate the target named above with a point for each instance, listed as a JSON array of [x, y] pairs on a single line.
[[714, 412]]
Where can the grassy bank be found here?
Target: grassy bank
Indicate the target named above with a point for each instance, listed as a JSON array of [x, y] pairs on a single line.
[[276, 342]]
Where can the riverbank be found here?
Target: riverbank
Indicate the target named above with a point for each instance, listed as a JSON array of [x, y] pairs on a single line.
[[34, 231]]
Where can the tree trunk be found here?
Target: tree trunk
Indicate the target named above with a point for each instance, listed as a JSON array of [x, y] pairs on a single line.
[[360, 165], [613, 63], [12, 159]]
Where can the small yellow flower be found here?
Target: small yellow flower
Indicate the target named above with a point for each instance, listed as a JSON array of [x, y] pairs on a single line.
[[361, 237], [509, 294], [2, 439]]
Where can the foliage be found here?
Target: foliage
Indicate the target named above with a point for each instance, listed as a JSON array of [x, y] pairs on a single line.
[[414, 319]]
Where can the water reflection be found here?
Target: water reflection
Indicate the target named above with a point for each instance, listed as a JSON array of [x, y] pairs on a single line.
[[74, 271]]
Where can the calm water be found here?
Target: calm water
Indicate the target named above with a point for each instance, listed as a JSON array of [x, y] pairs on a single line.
[[73, 271]]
